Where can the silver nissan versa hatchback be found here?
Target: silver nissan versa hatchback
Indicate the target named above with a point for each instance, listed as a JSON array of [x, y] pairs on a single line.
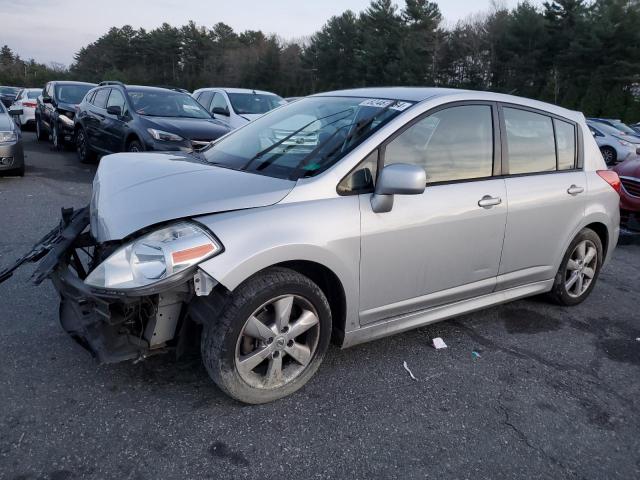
[[349, 215]]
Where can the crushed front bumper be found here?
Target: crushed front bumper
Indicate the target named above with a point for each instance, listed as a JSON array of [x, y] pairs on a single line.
[[113, 326]]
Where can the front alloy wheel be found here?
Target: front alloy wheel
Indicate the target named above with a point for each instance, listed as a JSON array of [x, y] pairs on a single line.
[[270, 337]]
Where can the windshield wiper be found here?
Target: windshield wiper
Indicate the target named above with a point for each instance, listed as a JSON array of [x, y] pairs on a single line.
[[281, 141], [359, 126]]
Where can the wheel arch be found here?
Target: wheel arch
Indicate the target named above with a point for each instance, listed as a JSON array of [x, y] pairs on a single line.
[[131, 136], [603, 233]]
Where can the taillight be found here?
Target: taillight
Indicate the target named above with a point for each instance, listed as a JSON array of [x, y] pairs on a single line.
[[611, 178], [29, 104]]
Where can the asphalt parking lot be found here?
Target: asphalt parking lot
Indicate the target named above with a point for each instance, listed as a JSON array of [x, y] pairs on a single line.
[[551, 393]]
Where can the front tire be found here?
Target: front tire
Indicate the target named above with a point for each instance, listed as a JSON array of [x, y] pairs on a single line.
[[579, 269], [610, 156], [85, 154], [270, 337], [40, 134], [58, 143], [135, 146]]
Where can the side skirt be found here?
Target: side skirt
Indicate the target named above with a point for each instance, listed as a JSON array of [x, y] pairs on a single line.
[[409, 321]]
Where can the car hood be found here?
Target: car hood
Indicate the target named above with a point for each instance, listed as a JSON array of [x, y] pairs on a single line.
[[6, 123], [67, 107], [251, 116], [190, 128], [629, 168], [132, 191]]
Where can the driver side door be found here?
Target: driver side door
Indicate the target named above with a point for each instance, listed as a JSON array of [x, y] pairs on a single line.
[[443, 245]]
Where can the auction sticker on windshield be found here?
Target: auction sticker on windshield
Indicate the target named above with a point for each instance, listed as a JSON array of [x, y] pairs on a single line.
[[382, 103]]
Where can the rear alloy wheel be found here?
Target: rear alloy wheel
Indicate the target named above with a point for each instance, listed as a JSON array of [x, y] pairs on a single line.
[[85, 154], [270, 338], [609, 155], [579, 269]]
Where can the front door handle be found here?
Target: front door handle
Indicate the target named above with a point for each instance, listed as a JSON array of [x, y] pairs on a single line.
[[488, 201], [575, 190]]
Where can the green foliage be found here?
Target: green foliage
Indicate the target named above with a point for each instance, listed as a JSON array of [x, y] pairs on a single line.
[[582, 54]]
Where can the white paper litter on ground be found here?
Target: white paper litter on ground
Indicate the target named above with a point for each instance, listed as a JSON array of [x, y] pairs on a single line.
[[406, 367], [438, 343]]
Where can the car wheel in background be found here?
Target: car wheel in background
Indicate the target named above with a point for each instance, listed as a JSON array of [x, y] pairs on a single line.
[[270, 337], [579, 269], [40, 134], [609, 155], [134, 146], [85, 154], [58, 143]]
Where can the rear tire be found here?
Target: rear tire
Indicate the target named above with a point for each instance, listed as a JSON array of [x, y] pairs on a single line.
[[287, 352], [85, 154], [610, 156], [579, 269]]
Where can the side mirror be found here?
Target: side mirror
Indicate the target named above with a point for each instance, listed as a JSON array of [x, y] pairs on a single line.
[[397, 179], [114, 110], [220, 111], [15, 111], [46, 99]]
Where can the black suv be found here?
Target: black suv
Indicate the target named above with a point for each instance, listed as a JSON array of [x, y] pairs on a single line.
[[116, 118], [56, 108]]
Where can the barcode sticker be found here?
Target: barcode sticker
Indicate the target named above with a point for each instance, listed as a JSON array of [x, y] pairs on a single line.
[[376, 102]]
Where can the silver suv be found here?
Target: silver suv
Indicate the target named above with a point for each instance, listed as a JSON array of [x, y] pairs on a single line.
[[350, 215]]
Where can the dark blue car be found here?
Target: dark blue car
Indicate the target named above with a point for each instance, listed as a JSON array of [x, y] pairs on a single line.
[[117, 118]]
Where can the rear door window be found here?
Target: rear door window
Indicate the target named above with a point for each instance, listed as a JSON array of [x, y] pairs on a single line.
[[530, 141]]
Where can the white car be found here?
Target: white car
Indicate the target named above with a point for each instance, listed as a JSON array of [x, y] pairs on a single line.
[[237, 106], [616, 146], [26, 101]]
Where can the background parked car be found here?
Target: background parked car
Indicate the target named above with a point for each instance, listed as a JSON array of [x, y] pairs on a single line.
[[622, 127], [56, 108], [636, 127], [615, 146], [8, 95], [629, 172], [116, 118], [11, 152], [237, 106], [27, 100]]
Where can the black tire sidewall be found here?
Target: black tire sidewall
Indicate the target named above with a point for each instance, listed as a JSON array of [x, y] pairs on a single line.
[[220, 338], [132, 143], [559, 291], [86, 158]]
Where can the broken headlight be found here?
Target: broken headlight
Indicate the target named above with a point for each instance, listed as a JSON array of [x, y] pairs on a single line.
[[154, 257]]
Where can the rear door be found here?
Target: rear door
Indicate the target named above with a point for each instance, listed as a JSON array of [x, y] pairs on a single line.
[[546, 191], [444, 245]]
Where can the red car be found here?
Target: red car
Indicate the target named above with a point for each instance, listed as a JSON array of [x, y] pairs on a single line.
[[629, 172]]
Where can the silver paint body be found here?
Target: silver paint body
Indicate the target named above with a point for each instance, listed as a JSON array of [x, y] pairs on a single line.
[[432, 256]]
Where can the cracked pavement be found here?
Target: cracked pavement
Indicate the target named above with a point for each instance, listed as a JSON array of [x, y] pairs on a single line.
[[553, 394]]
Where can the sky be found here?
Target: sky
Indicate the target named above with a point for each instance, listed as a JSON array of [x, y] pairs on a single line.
[[54, 30]]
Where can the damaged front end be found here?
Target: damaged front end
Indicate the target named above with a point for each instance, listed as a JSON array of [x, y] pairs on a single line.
[[123, 300]]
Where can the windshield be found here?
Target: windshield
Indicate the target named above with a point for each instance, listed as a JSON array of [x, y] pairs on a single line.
[[254, 103], [9, 90], [305, 137], [615, 131], [624, 128], [72, 93], [166, 103]]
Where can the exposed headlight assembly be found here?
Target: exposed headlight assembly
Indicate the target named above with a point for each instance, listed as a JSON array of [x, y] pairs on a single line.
[[154, 257], [6, 137], [66, 118], [164, 136]]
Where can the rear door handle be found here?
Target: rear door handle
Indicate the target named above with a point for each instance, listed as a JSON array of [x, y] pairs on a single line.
[[488, 201], [575, 190]]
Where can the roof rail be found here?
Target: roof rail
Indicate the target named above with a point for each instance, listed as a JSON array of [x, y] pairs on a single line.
[[175, 89], [110, 82]]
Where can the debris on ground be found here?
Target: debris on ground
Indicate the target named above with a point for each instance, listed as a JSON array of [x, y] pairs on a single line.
[[438, 343], [406, 367], [475, 354]]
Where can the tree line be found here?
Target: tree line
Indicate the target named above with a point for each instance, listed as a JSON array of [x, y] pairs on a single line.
[[581, 54]]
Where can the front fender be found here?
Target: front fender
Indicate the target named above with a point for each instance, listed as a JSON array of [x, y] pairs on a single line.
[[322, 231]]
